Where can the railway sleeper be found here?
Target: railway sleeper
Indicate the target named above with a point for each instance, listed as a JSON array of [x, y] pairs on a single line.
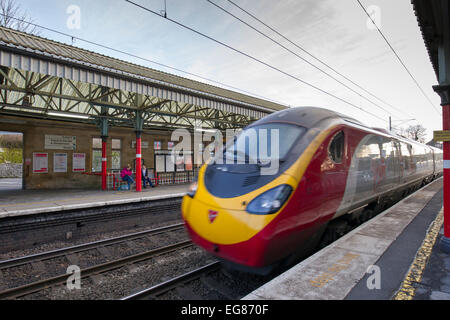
[[214, 285]]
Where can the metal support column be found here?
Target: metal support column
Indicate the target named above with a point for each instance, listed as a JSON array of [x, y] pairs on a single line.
[[139, 127], [104, 134], [444, 93], [443, 89]]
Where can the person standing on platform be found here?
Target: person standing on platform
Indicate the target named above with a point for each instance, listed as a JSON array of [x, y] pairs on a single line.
[[126, 174], [145, 177]]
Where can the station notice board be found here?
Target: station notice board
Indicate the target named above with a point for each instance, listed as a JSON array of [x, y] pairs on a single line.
[[60, 162], [79, 162], [40, 162], [60, 142], [443, 135]]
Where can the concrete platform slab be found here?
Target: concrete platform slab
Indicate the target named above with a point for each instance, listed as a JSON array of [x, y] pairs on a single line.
[[320, 279], [10, 184], [385, 228], [438, 295], [372, 245], [334, 271], [27, 202]]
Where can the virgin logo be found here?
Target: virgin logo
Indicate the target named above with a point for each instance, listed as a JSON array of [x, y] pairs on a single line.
[[212, 215]]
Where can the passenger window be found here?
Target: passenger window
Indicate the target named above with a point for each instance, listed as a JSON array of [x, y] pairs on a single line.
[[336, 148]]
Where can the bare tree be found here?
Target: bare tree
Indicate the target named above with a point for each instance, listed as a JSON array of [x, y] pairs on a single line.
[[12, 16], [417, 133]]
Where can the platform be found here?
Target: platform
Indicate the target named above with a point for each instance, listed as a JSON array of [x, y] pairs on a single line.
[[28, 202], [374, 261]]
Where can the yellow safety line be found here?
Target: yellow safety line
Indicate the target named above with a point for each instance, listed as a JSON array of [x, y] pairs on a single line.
[[407, 289]]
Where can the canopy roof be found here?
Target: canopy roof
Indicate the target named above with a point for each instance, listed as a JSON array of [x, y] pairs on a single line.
[[39, 76]]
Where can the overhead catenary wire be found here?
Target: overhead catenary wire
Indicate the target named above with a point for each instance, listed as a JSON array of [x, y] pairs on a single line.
[[315, 58], [73, 38], [300, 57], [398, 57], [257, 60]]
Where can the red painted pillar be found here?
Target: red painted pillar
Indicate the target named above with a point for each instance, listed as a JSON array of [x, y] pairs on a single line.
[[444, 93], [104, 163], [138, 162], [446, 149]]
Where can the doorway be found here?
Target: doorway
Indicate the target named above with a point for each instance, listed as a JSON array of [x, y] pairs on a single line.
[[11, 160]]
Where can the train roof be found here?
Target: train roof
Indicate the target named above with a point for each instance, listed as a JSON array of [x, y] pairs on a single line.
[[311, 116], [305, 116]]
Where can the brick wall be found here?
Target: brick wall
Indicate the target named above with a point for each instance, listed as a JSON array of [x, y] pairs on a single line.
[[34, 132]]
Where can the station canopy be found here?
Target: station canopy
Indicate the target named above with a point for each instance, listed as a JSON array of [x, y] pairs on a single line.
[[433, 19], [45, 79]]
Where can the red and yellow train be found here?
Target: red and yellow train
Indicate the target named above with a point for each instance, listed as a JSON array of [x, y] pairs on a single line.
[[333, 171]]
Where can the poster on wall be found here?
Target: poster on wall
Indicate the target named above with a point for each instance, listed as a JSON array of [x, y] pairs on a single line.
[[170, 145], [170, 165], [60, 162], [79, 162], [40, 162], [180, 163], [157, 145], [160, 163], [60, 142]]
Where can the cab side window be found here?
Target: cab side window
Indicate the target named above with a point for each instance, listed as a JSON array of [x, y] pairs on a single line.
[[336, 148]]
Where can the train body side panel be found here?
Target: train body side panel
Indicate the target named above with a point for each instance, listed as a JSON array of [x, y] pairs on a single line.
[[381, 165]]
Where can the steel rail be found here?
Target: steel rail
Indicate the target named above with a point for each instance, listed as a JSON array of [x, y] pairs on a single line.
[[86, 246], [101, 268], [171, 284]]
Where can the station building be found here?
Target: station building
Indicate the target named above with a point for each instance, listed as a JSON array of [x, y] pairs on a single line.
[[84, 116]]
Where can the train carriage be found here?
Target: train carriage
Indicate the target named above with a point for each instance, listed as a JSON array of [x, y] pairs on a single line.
[[331, 172]]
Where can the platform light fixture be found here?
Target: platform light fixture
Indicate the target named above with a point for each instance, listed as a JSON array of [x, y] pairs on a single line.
[[68, 115], [206, 130]]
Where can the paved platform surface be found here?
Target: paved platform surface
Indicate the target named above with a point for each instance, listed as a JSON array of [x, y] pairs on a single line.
[[435, 281], [10, 184], [382, 259], [27, 202]]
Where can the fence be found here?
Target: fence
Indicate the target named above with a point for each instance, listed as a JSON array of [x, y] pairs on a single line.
[[114, 181], [10, 170], [166, 178]]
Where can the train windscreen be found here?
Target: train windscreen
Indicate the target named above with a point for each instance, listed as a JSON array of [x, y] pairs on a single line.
[[262, 143]]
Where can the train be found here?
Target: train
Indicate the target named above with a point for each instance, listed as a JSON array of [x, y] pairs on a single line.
[[333, 173]]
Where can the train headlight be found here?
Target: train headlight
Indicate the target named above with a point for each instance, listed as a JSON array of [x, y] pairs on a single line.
[[192, 189], [270, 201]]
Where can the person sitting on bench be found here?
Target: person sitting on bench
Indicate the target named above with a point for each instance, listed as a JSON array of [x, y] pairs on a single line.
[[125, 174], [145, 176]]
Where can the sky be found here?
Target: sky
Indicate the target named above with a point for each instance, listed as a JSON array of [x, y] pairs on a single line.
[[337, 32]]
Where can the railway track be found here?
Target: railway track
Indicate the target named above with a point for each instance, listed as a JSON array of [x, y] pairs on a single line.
[[40, 257], [36, 286], [44, 228], [177, 282], [209, 282]]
